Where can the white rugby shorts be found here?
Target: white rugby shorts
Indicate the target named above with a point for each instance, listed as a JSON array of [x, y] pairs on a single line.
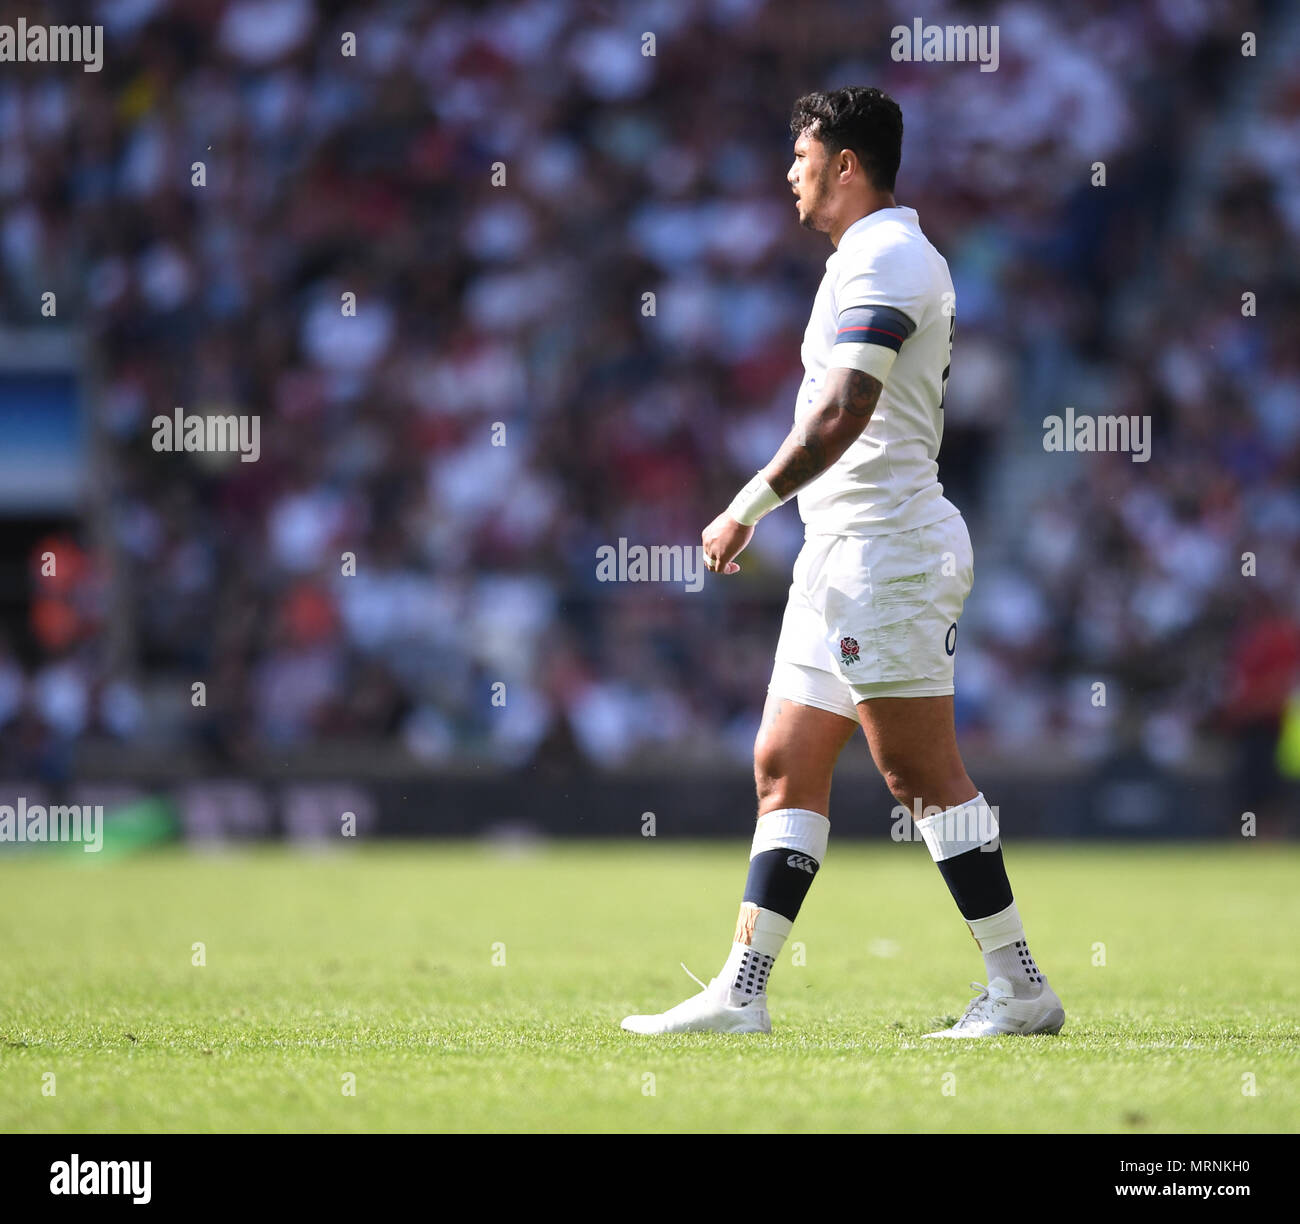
[[874, 616]]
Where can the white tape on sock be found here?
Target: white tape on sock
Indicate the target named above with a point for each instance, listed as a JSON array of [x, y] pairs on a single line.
[[997, 930]]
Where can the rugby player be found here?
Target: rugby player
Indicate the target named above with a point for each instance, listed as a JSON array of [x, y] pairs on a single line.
[[870, 629]]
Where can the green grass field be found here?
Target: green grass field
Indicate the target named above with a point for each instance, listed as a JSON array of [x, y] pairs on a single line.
[[379, 963]]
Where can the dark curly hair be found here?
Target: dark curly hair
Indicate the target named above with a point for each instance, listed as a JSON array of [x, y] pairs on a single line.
[[859, 118]]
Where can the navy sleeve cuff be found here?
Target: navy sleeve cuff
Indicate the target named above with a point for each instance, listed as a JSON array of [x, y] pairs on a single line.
[[881, 325]]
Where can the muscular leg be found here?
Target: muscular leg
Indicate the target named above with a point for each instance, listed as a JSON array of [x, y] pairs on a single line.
[[795, 755], [914, 745]]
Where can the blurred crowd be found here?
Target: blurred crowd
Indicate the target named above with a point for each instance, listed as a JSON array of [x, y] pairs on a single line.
[[501, 186]]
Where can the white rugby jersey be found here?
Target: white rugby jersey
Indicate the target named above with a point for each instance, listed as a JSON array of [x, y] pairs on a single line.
[[885, 306]]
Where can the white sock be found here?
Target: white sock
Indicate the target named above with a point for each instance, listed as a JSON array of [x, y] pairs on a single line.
[[761, 933], [1002, 942], [759, 938]]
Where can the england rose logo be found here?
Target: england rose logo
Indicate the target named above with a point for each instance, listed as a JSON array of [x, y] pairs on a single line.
[[849, 650]]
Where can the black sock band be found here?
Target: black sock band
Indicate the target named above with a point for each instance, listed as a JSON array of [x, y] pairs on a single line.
[[978, 881], [779, 880]]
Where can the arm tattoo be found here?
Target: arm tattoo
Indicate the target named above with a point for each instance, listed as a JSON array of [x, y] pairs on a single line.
[[821, 437], [860, 393]]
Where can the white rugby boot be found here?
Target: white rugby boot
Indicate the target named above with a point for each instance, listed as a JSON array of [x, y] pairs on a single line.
[[995, 1010], [713, 1010]]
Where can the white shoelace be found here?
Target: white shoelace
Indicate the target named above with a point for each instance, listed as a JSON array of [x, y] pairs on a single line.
[[980, 1007], [692, 976], [705, 988]]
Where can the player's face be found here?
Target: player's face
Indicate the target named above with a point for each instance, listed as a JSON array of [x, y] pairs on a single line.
[[810, 180]]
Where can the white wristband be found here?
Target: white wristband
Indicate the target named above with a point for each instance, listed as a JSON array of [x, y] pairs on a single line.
[[753, 501]]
